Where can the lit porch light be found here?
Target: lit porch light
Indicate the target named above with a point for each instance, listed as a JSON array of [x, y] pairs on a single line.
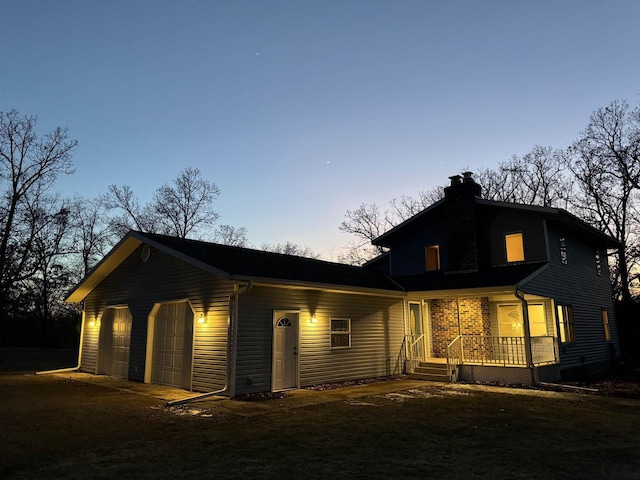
[[202, 319], [314, 319]]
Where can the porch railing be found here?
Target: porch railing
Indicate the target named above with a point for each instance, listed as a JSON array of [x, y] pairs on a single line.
[[414, 350], [454, 356], [484, 350]]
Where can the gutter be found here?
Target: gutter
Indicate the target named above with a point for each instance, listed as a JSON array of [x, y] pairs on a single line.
[[77, 367], [232, 341]]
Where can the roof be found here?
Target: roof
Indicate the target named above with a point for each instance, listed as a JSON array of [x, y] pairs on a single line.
[[504, 276], [559, 216], [239, 264]]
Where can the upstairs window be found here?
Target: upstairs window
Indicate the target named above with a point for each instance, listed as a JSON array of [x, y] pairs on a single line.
[[515, 247], [432, 255], [605, 324], [563, 251], [565, 323]]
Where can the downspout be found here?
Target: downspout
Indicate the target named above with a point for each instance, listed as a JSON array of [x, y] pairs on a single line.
[[527, 338], [231, 350], [77, 367]]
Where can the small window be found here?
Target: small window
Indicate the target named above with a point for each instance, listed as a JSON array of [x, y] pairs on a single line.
[[515, 247], [563, 251], [565, 323], [598, 263], [432, 254], [605, 324], [340, 333]]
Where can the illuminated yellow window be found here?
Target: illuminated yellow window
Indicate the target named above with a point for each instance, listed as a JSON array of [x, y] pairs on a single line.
[[432, 254], [515, 247]]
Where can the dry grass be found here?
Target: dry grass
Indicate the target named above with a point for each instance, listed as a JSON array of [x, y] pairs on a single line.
[[54, 428]]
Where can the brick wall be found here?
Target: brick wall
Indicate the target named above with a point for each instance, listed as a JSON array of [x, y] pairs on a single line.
[[474, 319]]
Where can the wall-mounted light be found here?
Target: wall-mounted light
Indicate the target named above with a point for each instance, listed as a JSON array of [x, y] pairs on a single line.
[[202, 319], [314, 319], [92, 322]]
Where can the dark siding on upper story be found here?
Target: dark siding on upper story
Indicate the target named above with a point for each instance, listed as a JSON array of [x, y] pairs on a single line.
[[407, 256], [496, 223], [578, 284], [164, 278]]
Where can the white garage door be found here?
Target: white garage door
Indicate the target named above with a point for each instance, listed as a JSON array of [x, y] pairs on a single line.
[[173, 337], [121, 342]]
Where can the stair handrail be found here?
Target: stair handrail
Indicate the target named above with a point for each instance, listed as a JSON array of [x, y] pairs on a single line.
[[454, 361]]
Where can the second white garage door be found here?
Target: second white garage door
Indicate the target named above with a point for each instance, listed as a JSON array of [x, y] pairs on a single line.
[[172, 345]]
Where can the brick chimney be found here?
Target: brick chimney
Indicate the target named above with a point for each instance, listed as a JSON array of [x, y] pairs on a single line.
[[462, 232]]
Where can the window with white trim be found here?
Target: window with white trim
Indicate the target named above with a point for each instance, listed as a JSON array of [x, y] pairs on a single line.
[[340, 333], [565, 323]]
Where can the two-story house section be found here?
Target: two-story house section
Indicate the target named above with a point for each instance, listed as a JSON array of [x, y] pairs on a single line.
[[495, 289]]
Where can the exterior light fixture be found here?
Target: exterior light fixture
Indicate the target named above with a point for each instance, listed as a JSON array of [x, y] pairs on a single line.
[[314, 319], [202, 319], [92, 322]]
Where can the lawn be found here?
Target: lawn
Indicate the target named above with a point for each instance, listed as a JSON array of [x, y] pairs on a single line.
[[57, 428]]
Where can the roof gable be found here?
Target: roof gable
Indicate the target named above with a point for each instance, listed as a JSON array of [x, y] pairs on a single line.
[[557, 215]]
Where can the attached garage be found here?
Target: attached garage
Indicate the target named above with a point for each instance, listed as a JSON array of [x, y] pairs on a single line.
[[170, 344], [115, 342]]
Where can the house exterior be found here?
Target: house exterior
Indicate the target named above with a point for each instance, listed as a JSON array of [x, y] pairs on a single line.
[[469, 289]]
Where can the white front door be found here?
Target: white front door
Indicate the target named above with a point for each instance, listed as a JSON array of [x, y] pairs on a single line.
[[285, 350]]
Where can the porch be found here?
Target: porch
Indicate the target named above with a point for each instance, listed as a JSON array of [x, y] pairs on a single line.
[[481, 334]]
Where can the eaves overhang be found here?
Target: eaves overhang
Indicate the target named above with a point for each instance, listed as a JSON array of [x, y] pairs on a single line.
[[325, 287]]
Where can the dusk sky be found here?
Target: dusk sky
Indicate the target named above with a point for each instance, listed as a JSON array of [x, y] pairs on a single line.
[[300, 110]]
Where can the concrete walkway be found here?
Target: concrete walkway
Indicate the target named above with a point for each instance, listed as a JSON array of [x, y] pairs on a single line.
[[303, 398]]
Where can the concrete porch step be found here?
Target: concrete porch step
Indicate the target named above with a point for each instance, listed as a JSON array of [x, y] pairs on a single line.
[[431, 371], [430, 377]]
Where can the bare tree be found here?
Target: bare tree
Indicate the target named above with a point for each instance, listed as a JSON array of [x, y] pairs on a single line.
[[605, 163], [29, 165], [290, 248], [131, 214], [230, 235], [53, 244], [537, 178], [186, 208], [93, 232]]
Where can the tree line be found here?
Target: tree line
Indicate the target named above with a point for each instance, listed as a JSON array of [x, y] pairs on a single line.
[[49, 242]]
